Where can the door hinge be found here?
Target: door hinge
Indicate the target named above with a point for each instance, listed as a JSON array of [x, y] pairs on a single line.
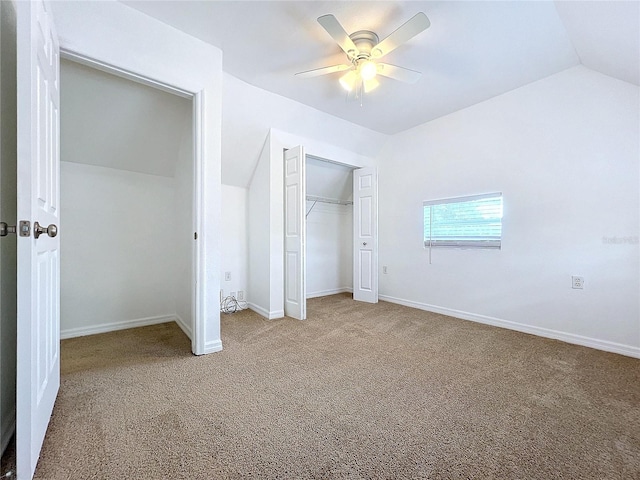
[[25, 228], [195, 235]]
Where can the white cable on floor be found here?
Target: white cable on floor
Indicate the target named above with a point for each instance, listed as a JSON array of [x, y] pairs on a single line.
[[231, 305]]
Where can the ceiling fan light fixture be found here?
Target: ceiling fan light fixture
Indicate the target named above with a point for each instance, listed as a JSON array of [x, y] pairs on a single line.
[[368, 70], [370, 84], [363, 49], [348, 81]]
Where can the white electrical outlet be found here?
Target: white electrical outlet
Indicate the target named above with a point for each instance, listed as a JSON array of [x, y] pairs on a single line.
[[227, 276], [240, 295], [577, 282], [384, 269], [232, 294]]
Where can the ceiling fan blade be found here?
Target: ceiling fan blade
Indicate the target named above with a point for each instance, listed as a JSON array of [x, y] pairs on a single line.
[[418, 23], [323, 71], [338, 33], [398, 73]]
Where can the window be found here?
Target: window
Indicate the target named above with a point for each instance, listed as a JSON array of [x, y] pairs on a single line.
[[474, 222]]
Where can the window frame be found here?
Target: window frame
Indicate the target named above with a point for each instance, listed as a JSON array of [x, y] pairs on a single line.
[[487, 243]]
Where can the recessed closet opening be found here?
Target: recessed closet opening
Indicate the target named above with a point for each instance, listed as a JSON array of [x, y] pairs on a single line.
[[127, 204], [330, 230], [329, 220]]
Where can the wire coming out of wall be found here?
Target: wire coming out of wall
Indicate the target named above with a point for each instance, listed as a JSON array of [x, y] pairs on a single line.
[[230, 304]]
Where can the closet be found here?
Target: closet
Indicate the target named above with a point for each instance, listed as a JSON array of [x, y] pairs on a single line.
[[127, 182], [329, 220], [330, 230]]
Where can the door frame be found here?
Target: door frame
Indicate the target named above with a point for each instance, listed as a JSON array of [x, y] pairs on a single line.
[[271, 302], [353, 166], [197, 99]]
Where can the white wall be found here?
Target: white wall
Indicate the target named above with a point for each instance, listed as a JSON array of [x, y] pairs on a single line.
[[329, 249], [249, 112], [259, 221], [8, 215], [110, 32], [234, 239], [128, 125], [564, 151], [117, 248]]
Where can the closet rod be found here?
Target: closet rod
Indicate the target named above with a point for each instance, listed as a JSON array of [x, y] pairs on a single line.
[[313, 198]]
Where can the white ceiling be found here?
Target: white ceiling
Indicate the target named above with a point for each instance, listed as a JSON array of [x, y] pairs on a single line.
[[111, 122], [606, 36], [472, 51]]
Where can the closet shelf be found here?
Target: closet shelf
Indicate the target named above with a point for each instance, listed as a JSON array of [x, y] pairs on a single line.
[[313, 198], [335, 201]]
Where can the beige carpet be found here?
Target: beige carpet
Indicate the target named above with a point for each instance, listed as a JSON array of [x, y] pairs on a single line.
[[357, 391]]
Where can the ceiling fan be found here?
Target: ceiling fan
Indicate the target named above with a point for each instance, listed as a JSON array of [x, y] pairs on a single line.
[[364, 49]]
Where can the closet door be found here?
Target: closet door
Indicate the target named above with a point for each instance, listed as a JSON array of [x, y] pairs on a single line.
[[365, 235], [295, 228]]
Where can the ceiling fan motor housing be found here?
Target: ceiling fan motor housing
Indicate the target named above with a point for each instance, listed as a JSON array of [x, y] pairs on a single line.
[[365, 41]]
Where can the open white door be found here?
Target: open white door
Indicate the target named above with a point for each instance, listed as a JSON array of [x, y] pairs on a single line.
[[365, 235], [38, 330], [295, 230]]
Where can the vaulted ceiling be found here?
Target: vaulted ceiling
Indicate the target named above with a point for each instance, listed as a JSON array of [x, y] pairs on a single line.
[[472, 51]]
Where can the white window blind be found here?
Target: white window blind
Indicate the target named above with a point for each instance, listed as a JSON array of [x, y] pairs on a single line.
[[474, 221]]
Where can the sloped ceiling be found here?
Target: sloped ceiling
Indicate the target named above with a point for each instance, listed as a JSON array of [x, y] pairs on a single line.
[[472, 51], [606, 36], [112, 122]]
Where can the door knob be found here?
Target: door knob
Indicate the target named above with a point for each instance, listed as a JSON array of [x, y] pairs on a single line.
[[6, 229], [51, 230], [364, 243]]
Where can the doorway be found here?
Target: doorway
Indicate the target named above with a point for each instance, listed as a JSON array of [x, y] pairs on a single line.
[[127, 195], [311, 180], [189, 68], [329, 223]]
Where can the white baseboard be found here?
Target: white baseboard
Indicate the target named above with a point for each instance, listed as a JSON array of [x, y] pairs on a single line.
[[183, 326], [333, 291], [111, 327], [628, 350], [8, 428], [211, 347], [266, 313]]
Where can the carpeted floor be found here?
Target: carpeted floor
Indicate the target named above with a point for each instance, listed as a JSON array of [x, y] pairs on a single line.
[[357, 391]]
